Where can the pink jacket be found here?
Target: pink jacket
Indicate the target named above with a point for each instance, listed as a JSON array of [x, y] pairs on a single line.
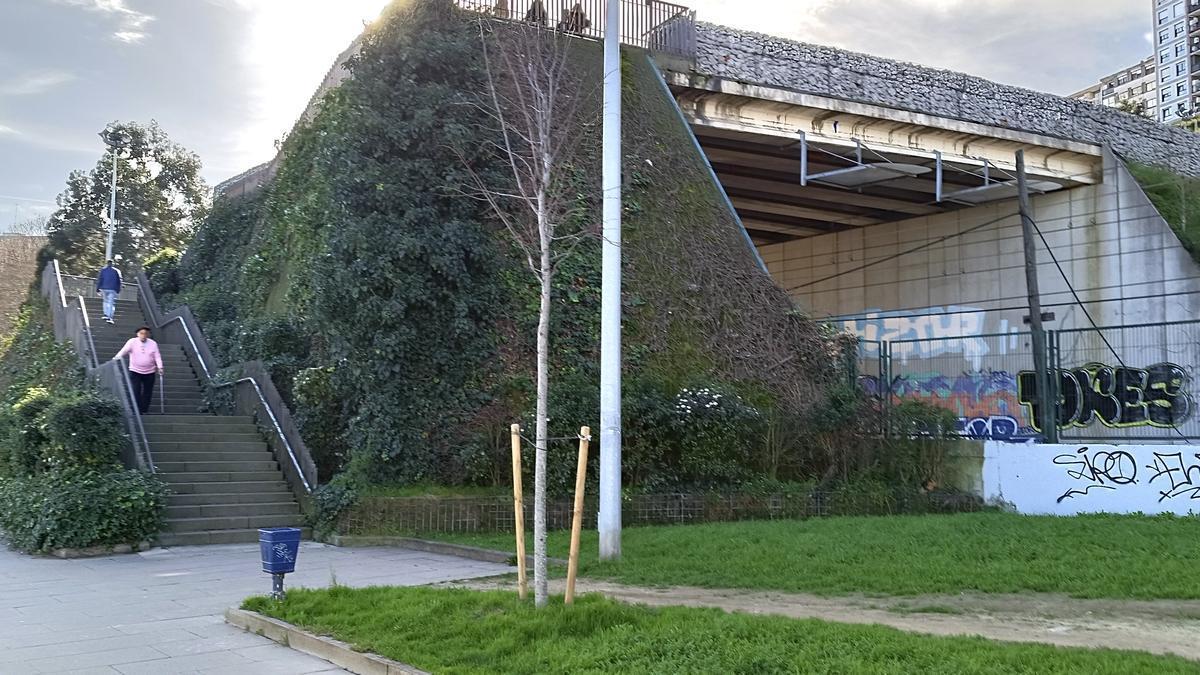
[[143, 356]]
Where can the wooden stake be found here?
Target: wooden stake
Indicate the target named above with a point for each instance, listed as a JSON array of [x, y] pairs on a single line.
[[585, 434], [519, 512]]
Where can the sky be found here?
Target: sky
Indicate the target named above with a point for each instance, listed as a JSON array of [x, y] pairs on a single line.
[[226, 78]]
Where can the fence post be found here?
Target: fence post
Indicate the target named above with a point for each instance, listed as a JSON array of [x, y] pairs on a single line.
[[1054, 381], [885, 377]]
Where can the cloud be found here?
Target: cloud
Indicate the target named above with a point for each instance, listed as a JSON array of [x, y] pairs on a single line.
[[35, 83], [7, 131], [131, 23]]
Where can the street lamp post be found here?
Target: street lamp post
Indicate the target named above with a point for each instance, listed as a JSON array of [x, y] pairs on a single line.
[[609, 524], [110, 141]]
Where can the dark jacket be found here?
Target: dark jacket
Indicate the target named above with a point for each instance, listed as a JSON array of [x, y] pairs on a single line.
[[109, 279]]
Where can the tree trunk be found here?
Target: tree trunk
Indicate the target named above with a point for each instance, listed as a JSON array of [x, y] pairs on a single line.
[[540, 584]]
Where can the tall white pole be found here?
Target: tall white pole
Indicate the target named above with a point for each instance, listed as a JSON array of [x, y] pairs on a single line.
[[610, 299], [112, 209]]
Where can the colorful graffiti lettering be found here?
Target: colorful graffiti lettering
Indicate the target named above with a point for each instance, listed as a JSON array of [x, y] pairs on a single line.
[[985, 401], [1115, 397]]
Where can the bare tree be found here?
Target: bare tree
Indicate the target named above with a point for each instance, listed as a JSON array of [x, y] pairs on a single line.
[[534, 100]]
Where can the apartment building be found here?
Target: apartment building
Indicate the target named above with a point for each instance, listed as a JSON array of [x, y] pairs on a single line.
[[1127, 88], [1177, 58]]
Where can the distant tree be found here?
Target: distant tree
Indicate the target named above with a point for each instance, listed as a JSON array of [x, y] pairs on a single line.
[[160, 198], [1132, 107]]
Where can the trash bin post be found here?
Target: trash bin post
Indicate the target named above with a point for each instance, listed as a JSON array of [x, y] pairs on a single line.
[[279, 547]]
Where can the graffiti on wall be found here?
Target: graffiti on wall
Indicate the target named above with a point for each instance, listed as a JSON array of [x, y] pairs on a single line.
[[985, 401], [936, 331], [1178, 475], [1117, 397], [1069, 479]]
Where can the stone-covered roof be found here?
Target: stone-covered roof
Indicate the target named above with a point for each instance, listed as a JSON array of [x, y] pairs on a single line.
[[757, 58]]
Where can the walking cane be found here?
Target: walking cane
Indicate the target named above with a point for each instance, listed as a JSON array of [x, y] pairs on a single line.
[[162, 393]]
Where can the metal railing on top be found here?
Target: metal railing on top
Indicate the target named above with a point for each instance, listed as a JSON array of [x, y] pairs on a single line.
[[86, 286], [650, 24], [146, 294]]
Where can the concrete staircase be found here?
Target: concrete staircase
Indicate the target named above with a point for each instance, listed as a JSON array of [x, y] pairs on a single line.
[[225, 480]]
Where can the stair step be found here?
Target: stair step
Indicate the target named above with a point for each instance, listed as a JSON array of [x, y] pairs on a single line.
[[239, 466], [213, 426], [202, 437], [212, 523], [261, 454], [166, 450], [216, 537], [228, 498], [276, 486], [192, 419], [281, 508], [221, 476]]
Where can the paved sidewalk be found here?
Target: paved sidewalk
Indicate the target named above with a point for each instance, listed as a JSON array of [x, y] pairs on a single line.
[[161, 611]]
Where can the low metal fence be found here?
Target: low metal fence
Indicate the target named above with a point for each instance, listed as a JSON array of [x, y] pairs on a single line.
[[417, 515], [650, 24]]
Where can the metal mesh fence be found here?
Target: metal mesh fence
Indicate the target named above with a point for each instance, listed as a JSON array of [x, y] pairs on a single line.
[[417, 515], [975, 377], [1127, 382]]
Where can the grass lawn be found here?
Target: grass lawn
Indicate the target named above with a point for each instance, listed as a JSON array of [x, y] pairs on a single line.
[[459, 631], [1133, 557]]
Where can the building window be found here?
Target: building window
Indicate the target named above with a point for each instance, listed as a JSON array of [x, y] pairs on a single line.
[[1181, 89], [1177, 10], [1180, 29], [1163, 36], [1166, 115], [1181, 49], [1164, 16], [1166, 95], [1164, 56], [1181, 68]]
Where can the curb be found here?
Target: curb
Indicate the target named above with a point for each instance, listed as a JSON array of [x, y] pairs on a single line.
[[439, 547], [335, 651], [97, 551]]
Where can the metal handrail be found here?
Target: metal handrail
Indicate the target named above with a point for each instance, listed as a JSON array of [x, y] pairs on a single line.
[[141, 441], [275, 422], [137, 415], [188, 332], [257, 390], [62, 294], [87, 329]]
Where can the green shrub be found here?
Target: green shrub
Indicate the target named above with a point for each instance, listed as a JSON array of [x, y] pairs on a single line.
[[83, 431], [78, 508], [26, 438], [329, 501], [162, 269]]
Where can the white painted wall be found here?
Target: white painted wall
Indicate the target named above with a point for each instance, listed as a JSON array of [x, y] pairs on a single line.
[[1065, 480]]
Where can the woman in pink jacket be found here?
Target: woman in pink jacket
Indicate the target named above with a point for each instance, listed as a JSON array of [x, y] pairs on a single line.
[[144, 362]]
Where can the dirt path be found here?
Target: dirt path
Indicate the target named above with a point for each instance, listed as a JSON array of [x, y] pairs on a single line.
[[1161, 626]]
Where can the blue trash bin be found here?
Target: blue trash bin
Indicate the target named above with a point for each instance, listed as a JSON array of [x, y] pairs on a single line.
[[279, 547]]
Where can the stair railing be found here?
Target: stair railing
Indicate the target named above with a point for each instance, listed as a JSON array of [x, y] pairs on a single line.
[[300, 460], [77, 328]]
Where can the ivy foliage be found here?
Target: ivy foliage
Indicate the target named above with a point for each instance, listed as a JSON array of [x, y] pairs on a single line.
[[399, 322]]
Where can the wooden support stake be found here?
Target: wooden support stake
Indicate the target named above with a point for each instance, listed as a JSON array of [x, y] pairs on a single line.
[[585, 434], [519, 512]]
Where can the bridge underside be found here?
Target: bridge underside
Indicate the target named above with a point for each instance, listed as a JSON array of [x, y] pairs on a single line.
[[796, 165]]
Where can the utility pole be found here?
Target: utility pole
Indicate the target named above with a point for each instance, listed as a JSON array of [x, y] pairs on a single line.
[[609, 520], [1049, 418]]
